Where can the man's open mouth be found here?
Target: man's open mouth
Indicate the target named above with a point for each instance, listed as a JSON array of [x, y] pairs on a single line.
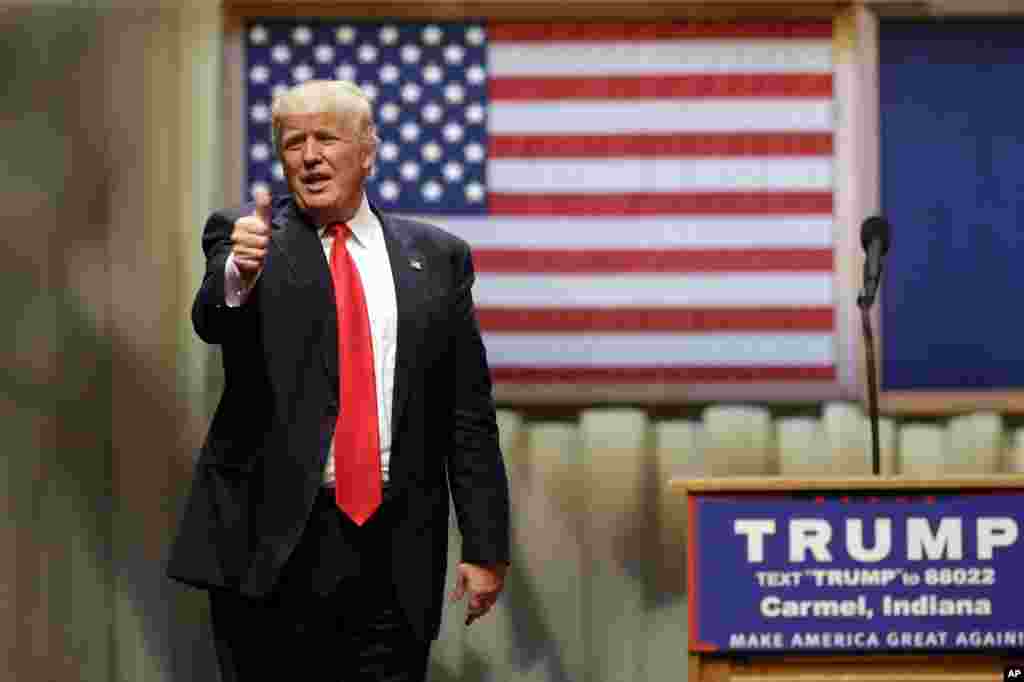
[[315, 183]]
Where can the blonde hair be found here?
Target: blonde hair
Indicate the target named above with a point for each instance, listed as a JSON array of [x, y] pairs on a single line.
[[345, 100]]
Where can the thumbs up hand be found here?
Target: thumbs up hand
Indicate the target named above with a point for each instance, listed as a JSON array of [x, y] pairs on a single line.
[[251, 237]]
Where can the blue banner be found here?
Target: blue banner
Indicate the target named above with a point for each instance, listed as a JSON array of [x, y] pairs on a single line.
[[856, 573], [950, 186]]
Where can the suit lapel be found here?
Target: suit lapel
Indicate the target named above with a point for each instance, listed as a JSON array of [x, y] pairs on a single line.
[[408, 287], [297, 240]]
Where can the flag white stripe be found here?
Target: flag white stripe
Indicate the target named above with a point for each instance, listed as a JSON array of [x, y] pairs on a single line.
[[619, 117], [653, 290], [600, 176], [646, 350], [622, 58], [641, 232]]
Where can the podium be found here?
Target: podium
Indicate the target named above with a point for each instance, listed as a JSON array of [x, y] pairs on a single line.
[[880, 579]]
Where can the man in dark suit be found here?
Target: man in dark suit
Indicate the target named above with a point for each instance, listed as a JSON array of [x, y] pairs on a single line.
[[356, 396]]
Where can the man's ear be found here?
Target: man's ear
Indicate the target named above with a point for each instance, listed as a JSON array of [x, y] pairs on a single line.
[[370, 156]]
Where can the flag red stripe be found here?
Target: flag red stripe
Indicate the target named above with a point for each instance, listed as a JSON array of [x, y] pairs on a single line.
[[543, 32], [653, 146], [652, 260], [819, 319], [703, 203], [519, 88], [668, 375]]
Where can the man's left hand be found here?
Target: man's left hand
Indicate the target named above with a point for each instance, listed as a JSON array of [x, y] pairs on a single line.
[[483, 583]]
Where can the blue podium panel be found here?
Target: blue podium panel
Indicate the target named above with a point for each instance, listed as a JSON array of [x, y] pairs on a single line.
[[858, 572], [952, 166]]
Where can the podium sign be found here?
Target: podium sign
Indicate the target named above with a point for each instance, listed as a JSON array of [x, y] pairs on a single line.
[[812, 571]]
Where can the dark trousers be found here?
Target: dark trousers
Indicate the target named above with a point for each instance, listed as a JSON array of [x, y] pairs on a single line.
[[329, 619]]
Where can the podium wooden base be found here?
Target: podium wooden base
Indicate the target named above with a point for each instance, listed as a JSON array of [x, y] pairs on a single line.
[[957, 668]]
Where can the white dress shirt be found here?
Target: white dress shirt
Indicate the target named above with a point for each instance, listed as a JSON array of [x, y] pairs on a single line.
[[369, 252]]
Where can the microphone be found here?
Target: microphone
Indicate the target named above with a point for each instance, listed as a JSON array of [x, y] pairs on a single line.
[[874, 237]]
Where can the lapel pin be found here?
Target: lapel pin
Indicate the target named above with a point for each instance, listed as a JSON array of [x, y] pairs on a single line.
[[415, 264]]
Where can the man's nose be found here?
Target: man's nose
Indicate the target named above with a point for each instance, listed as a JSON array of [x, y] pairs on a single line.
[[310, 152]]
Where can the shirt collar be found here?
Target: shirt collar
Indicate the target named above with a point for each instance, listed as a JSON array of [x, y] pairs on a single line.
[[364, 224]]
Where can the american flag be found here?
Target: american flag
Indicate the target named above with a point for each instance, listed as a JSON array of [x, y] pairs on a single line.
[[647, 203]]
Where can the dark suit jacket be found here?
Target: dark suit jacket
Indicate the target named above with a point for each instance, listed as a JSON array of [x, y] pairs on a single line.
[[261, 464]]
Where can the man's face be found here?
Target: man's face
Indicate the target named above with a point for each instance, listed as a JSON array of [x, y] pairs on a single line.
[[326, 163]]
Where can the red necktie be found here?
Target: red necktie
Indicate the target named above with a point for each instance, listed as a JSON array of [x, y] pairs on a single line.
[[356, 439]]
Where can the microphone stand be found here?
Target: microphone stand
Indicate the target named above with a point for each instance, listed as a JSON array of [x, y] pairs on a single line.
[[864, 303]]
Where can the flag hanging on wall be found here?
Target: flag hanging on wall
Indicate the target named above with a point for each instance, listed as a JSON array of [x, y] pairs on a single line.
[[647, 203]]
